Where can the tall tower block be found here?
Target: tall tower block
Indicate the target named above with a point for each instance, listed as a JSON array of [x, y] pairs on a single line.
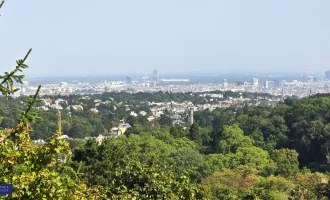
[[59, 122], [191, 116], [155, 76]]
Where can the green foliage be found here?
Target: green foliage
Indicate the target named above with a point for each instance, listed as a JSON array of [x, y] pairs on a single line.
[[165, 120], [286, 161], [177, 132], [215, 162], [254, 158], [219, 119], [134, 167], [309, 133], [322, 190], [149, 182], [194, 133], [256, 143], [9, 78], [231, 139], [274, 188], [28, 115], [76, 143], [187, 161], [310, 181], [80, 128], [231, 184], [38, 171]]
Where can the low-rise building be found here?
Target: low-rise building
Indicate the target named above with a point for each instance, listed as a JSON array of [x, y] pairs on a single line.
[[99, 139]]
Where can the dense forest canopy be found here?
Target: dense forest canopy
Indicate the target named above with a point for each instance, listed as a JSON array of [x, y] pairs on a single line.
[[253, 152], [302, 125]]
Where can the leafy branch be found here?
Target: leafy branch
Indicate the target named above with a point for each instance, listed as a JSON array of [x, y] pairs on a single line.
[[7, 83], [7, 88], [29, 116]]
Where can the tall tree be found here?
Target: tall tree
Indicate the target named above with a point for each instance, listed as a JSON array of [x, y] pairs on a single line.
[[286, 161], [232, 138], [194, 133]]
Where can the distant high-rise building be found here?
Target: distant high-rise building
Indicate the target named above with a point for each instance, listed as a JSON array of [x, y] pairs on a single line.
[[270, 84], [128, 80], [145, 79], [239, 83], [225, 83], [282, 95], [63, 84], [155, 76], [22, 89], [310, 79], [255, 82], [147, 84], [304, 78], [191, 116], [327, 75], [277, 83], [24, 85]]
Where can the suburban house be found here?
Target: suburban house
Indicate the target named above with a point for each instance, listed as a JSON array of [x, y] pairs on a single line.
[[121, 129]]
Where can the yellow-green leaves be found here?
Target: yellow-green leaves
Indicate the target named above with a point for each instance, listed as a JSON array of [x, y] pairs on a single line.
[[35, 172]]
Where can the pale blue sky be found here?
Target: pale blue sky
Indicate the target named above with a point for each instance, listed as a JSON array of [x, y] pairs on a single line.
[[105, 37]]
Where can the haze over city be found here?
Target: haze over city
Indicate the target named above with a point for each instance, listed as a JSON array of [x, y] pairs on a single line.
[[129, 37]]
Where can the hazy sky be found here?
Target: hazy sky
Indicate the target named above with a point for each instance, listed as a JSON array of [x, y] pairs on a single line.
[[96, 37]]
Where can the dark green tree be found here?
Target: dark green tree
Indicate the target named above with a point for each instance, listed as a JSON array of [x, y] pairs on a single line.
[[194, 133], [174, 132], [165, 120]]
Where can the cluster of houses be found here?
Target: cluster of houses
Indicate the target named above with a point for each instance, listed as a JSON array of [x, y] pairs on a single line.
[[134, 114], [210, 101], [114, 132], [60, 104], [180, 113]]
